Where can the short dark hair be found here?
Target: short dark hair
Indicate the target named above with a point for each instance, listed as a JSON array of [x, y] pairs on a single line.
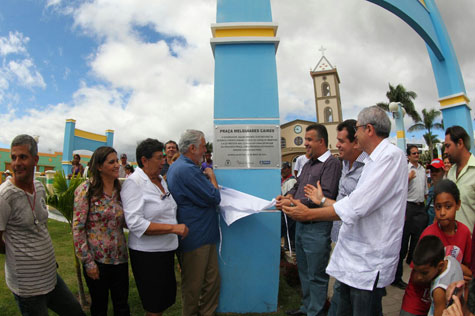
[[321, 131], [129, 167], [409, 147], [77, 155], [27, 140], [447, 186], [429, 250], [349, 125], [285, 165], [458, 132], [146, 149], [172, 142]]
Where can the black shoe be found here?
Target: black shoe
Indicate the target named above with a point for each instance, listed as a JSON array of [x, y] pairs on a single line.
[[295, 312], [399, 284]]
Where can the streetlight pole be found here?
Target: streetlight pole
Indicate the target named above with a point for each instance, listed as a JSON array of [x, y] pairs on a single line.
[[398, 115]]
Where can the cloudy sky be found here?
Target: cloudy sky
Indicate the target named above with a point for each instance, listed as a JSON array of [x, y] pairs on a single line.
[[145, 68]]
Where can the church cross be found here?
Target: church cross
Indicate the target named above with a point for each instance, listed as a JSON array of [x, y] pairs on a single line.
[[322, 50]]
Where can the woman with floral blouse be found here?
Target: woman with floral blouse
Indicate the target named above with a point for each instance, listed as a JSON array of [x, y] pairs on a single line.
[[99, 240]]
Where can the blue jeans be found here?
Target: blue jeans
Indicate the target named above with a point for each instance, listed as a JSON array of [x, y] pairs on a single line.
[[60, 300], [313, 246], [356, 302], [335, 299]]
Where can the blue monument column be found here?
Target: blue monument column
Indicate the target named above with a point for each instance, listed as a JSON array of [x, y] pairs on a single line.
[[68, 145], [110, 137], [244, 45]]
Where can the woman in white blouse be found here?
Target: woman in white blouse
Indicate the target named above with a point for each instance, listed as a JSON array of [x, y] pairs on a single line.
[[150, 214]]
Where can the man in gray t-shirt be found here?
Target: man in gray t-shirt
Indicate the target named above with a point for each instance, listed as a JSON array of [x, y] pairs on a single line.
[[30, 264]]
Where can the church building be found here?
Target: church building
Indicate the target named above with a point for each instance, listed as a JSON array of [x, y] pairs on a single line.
[[326, 87]]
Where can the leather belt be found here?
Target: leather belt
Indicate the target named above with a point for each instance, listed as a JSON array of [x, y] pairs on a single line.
[[309, 222], [416, 203]]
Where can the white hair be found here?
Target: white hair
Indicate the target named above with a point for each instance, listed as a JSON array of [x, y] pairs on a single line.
[[188, 138]]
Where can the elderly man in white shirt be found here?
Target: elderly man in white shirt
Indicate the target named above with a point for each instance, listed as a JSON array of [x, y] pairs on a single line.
[[366, 255]]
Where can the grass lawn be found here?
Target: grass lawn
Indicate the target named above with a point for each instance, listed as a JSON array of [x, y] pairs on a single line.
[[289, 297]]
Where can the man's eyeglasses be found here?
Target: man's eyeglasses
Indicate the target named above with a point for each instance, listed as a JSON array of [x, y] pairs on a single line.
[[164, 196], [358, 126], [416, 153]]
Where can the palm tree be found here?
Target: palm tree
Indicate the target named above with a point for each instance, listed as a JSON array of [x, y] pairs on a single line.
[[209, 147], [433, 140], [62, 199], [428, 124], [400, 94]]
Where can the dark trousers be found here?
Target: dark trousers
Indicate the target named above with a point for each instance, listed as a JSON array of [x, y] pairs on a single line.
[[60, 300], [414, 225], [113, 278], [356, 302]]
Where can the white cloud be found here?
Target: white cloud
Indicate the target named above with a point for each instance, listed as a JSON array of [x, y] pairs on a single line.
[[14, 43], [149, 92], [52, 3], [17, 65], [26, 73], [3, 81]]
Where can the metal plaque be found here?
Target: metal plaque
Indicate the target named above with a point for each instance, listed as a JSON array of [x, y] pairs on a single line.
[[246, 147]]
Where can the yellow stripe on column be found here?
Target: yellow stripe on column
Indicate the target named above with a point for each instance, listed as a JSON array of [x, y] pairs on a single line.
[[400, 134], [460, 99], [89, 135], [245, 32]]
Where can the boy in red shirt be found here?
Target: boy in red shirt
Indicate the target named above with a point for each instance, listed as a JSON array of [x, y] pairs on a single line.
[[456, 239]]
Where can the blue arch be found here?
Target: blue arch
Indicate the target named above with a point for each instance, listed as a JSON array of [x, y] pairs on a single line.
[[424, 17], [83, 140]]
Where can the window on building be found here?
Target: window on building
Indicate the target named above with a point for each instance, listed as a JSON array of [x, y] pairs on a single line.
[[326, 89], [298, 140], [283, 143], [328, 113]]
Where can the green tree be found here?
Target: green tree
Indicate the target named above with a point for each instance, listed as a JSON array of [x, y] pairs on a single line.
[[62, 199], [209, 147], [433, 140], [428, 124], [400, 94]]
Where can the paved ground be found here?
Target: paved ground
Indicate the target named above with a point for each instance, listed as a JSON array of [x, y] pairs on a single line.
[[392, 301]]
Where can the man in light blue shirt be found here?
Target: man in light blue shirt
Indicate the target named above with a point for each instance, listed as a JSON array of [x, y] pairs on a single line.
[[353, 163]]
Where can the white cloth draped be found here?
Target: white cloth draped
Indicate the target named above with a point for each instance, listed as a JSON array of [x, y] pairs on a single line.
[[236, 204]]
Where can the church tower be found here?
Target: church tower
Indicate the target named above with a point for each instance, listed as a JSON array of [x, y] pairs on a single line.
[[326, 86]]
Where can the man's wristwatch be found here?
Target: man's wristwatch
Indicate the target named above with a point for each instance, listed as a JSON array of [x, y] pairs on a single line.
[[323, 201]]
